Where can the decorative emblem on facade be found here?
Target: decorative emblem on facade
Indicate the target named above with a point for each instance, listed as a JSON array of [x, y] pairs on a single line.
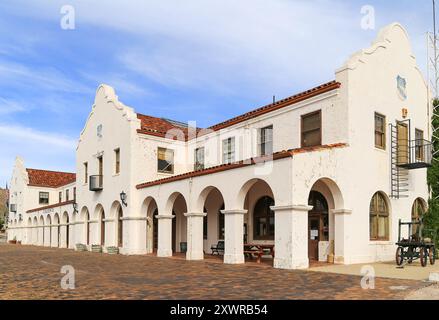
[[402, 87], [99, 131]]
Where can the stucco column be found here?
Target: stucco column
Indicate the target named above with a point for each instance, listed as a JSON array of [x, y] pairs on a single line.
[[63, 234], [234, 236], [195, 236], [291, 236], [47, 236], [165, 235], [340, 235], [134, 235]]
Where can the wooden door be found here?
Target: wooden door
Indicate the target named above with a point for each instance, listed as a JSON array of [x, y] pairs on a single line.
[[313, 237], [403, 143]]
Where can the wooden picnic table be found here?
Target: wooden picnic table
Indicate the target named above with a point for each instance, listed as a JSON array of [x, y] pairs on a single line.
[[258, 249]]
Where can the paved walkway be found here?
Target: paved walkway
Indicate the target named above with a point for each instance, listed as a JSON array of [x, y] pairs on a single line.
[[412, 271], [29, 272]]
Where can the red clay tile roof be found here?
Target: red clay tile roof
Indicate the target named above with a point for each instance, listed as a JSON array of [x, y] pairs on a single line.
[[279, 104], [159, 127], [49, 179], [240, 164], [51, 206]]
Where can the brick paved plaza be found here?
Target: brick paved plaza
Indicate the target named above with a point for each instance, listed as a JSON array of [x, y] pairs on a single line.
[[29, 272]]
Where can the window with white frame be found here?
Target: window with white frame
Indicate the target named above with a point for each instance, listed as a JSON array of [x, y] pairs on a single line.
[[199, 159], [165, 160], [265, 141], [43, 198], [229, 150]]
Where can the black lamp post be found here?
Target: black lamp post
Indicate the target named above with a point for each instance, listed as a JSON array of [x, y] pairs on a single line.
[[123, 198]]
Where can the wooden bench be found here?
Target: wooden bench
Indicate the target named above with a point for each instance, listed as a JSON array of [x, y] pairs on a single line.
[[258, 250], [252, 252], [218, 248]]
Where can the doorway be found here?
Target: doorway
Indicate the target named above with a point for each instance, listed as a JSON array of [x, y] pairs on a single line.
[[403, 143], [174, 233], [318, 224], [155, 231], [119, 227]]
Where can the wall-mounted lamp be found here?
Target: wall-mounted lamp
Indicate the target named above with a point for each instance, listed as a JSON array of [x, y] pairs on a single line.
[[75, 207], [123, 198]]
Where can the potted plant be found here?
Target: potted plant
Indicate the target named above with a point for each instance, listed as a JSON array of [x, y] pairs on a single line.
[[96, 248], [112, 250], [81, 247], [13, 241]]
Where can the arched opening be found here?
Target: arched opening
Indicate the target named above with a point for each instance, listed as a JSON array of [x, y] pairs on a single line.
[[325, 197], [259, 220], [100, 215], [29, 231], [57, 231], [419, 209], [119, 217], [84, 228], [379, 213], [41, 232], [177, 203], [35, 231], [66, 226], [150, 211], [212, 202], [48, 231]]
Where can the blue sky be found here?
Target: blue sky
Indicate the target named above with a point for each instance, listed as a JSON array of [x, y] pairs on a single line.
[[187, 60]]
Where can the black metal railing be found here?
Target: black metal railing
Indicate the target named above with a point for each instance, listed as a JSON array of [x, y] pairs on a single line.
[[96, 183], [416, 155]]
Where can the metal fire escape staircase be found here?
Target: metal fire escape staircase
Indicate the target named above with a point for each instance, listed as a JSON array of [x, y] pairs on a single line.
[[406, 155]]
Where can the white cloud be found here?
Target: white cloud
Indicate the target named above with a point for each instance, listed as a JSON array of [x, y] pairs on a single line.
[[8, 106], [26, 135], [39, 149], [48, 79]]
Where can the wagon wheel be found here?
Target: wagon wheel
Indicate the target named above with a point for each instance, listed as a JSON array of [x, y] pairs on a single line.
[[432, 255], [423, 255], [399, 256]]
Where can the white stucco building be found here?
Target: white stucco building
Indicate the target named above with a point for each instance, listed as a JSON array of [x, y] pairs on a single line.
[[329, 171]]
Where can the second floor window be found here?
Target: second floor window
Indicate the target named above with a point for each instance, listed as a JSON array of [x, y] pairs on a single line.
[[199, 159], [60, 196], [266, 141], [67, 195], [74, 194], [380, 131], [117, 161], [229, 150], [85, 172], [165, 160], [312, 129], [43, 198], [419, 145]]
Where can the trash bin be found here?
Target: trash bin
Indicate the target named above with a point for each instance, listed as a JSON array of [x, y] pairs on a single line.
[[183, 247]]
